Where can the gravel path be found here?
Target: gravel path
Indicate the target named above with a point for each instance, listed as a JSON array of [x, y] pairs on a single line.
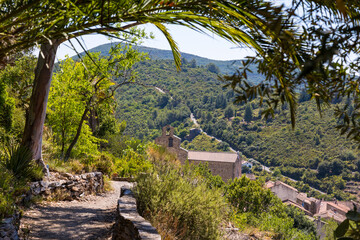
[[89, 218]]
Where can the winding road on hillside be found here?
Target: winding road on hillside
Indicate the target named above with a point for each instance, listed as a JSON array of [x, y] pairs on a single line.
[[89, 218], [193, 119]]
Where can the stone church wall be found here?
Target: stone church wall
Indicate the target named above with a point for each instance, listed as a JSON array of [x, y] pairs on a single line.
[[223, 169], [226, 170], [172, 143]]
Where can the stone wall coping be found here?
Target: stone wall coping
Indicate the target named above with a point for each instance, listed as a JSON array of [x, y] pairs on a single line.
[[130, 221]]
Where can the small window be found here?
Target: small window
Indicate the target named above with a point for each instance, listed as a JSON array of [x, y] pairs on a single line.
[[171, 142]]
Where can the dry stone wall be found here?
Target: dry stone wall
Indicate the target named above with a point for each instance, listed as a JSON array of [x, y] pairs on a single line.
[[9, 228], [59, 186], [129, 224], [65, 186]]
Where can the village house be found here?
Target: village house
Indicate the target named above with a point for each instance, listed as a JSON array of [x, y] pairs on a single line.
[[313, 207], [282, 190], [226, 165]]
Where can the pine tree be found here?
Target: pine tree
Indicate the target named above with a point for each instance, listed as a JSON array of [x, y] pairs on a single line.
[[248, 113]]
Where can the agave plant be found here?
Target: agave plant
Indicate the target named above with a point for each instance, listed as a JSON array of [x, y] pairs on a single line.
[[18, 160]]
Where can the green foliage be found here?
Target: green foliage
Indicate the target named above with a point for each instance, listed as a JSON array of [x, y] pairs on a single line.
[[211, 180], [66, 106], [17, 169], [259, 207], [19, 78], [300, 220], [229, 112], [18, 160], [203, 142], [104, 163], [7, 105], [283, 228], [248, 115], [349, 228], [6, 197], [180, 207], [84, 90], [133, 160], [213, 68], [250, 196]]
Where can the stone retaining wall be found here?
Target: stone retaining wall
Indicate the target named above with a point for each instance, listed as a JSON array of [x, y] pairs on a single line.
[[59, 186], [65, 186], [129, 224], [9, 228]]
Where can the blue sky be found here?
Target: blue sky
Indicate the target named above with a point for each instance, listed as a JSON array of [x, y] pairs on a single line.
[[189, 41]]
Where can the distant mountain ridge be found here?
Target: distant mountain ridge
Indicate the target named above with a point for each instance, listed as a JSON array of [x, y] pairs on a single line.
[[225, 66]]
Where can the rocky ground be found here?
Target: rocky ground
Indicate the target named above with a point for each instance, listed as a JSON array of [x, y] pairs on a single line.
[[91, 217]]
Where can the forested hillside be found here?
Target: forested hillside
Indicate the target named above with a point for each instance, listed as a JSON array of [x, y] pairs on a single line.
[[313, 152]]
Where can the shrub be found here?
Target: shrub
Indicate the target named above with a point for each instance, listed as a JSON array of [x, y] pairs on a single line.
[[131, 163], [10, 192], [180, 207], [104, 163], [249, 196], [6, 205], [18, 160]]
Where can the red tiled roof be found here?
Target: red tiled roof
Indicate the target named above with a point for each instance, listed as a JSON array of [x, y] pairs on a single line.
[[212, 156]]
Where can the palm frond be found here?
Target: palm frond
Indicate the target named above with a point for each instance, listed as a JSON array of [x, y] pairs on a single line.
[[172, 43]]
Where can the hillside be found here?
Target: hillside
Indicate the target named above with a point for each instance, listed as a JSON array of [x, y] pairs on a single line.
[[225, 67], [313, 152]]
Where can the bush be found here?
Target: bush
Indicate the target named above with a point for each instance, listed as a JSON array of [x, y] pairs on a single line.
[[18, 160], [6, 205], [10, 192], [131, 163], [180, 207], [249, 196], [104, 163]]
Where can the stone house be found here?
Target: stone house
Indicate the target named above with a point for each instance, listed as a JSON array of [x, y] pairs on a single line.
[[311, 204], [282, 190], [226, 165], [312, 207], [332, 210]]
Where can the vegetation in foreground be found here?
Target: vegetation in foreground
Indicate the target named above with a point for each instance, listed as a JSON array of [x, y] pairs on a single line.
[[187, 202]]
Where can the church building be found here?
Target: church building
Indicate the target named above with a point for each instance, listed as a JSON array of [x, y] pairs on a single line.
[[225, 164]]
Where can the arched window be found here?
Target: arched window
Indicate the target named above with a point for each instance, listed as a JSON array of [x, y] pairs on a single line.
[[171, 142]]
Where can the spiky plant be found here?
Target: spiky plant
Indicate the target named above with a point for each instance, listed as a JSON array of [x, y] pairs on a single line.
[[18, 160]]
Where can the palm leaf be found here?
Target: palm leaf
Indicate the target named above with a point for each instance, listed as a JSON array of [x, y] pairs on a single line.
[[172, 43]]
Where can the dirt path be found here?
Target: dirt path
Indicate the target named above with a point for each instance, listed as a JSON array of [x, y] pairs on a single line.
[[90, 218]]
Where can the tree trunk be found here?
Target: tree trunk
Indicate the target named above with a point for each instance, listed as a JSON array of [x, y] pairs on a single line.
[[35, 118], [78, 131], [93, 120]]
